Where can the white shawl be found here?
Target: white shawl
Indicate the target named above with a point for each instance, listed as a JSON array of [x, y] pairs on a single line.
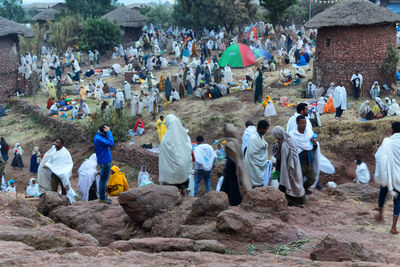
[[362, 173], [44, 174], [175, 158], [321, 163], [256, 158], [248, 132], [205, 155], [87, 174], [60, 163], [340, 97], [394, 109], [387, 171], [292, 124]]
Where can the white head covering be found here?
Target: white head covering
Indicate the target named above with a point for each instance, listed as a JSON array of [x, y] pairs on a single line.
[[87, 174], [175, 158], [18, 149], [32, 189]]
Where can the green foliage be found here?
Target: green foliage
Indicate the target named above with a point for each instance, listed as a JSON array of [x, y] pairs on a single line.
[[285, 250], [31, 12], [252, 249], [100, 34], [198, 14], [12, 10], [119, 124], [90, 8], [276, 9], [299, 12], [65, 31], [31, 45], [389, 65], [159, 16]]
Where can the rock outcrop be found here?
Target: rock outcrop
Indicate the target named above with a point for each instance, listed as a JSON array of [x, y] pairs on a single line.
[[266, 200], [232, 221], [356, 191], [147, 201], [330, 249], [106, 223], [51, 200], [159, 244], [208, 205]]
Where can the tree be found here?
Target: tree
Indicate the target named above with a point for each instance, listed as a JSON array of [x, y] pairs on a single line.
[[65, 31], [90, 8], [276, 9], [100, 34], [159, 16], [198, 14], [12, 10]]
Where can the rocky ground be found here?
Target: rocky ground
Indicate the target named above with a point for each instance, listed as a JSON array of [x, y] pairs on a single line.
[[155, 226]]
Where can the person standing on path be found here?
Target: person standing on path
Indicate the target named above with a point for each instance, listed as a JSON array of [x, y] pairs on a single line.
[[102, 143]]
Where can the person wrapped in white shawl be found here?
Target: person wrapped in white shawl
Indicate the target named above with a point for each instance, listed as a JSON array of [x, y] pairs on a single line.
[[387, 173], [248, 132], [257, 155], [87, 176], [175, 157]]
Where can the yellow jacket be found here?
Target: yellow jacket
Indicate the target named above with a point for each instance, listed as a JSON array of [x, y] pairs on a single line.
[[82, 94], [52, 89], [161, 129], [117, 182]]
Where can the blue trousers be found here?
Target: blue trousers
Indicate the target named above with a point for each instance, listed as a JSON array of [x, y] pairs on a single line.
[[198, 176], [396, 201], [105, 170]]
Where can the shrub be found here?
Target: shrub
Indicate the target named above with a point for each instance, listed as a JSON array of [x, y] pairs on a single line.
[[119, 124], [65, 31], [100, 34]]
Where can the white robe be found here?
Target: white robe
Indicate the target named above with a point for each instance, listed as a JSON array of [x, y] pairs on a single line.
[[248, 132], [269, 110], [387, 170], [119, 100], [175, 157], [228, 75], [87, 175], [127, 91], [256, 159], [60, 163], [205, 155], [137, 106], [174, 96], [292, 124], [362, 172], [340, 97]]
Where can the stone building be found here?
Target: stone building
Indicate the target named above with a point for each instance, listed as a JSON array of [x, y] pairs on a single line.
[[353, 35], [9, 55], [130, 22]]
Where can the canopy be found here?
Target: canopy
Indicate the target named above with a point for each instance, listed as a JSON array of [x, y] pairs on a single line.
[[259, 52], [237, 56]]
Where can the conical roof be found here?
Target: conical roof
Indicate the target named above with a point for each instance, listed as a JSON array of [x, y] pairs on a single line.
[[46, 14], [352, 13], [126, 17], [10, 27]]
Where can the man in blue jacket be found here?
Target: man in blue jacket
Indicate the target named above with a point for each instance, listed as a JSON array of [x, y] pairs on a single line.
[[102, 143]]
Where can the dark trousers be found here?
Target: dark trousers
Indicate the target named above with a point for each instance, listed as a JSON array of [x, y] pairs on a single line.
[[308, 171], [356, 92], [339, 112], [55, 181], [384, 190]]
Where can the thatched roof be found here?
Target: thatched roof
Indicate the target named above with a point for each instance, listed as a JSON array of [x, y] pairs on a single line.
[[10, 27], [126, 17], [352, 13], [46, 14]]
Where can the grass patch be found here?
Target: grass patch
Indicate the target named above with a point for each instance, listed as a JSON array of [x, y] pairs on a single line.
[[284, 250]]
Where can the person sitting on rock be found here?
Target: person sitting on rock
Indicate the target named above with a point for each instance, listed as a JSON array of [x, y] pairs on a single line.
[[362, 172], [117, 182], [32, 190], [11, 186]]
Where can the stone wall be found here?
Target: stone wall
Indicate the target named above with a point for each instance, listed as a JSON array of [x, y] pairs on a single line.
[[342, 50], [9, 60], [73, 133]]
